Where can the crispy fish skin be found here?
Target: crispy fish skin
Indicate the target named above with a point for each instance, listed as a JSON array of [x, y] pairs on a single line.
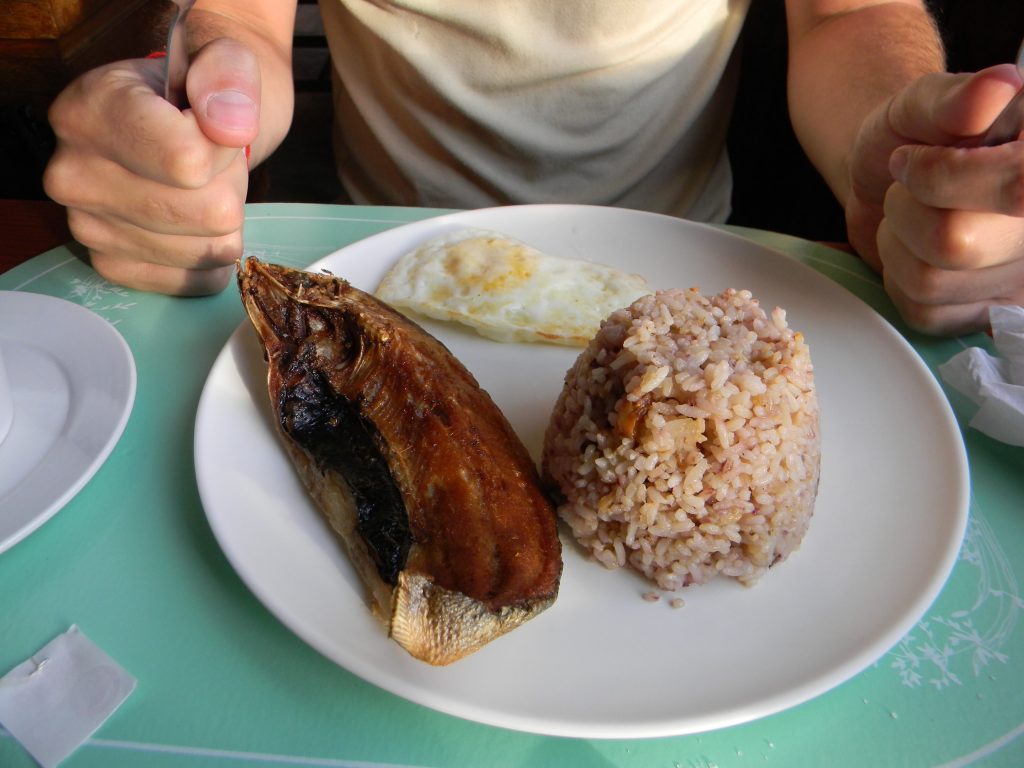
[[417, 471]]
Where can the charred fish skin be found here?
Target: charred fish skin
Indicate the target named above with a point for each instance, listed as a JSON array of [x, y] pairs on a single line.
[[433, 495], [313, 415]]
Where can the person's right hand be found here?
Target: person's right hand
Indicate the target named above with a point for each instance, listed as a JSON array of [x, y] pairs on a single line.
[[155, 193]]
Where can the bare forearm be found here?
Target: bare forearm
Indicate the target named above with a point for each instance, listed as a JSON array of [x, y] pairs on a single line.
[[266, 27], [845, 59]]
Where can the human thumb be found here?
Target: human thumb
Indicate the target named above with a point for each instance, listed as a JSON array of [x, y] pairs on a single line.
[[224, 90], [969, 108]]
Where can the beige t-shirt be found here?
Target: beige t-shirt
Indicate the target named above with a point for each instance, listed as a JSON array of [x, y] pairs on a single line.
[[471, 103]]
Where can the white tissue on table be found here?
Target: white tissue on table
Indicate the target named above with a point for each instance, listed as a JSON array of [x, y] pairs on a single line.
[[995, 384], [57, 699]]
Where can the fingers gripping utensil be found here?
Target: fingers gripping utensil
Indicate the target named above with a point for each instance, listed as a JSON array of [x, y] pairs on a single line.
[[176, 63], [1010, 122]]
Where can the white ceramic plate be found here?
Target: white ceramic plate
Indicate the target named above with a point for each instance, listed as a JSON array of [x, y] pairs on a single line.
[[602, 662], [72, 379]]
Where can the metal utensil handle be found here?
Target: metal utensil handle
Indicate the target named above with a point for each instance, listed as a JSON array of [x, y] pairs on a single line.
[[176, 63]]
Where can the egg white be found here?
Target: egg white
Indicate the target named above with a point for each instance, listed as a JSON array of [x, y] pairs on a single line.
[[507, 290]]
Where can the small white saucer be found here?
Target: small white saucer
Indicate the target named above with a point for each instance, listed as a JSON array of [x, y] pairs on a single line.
[[72, 378]]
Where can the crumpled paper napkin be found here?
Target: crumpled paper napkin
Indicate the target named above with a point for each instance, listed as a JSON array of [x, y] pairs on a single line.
[[995, 384], [57, 699]]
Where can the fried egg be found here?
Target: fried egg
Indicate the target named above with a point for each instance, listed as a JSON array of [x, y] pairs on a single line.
[[507, 290]]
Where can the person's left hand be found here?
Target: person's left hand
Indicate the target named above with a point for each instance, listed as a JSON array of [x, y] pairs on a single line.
[[943, 222]]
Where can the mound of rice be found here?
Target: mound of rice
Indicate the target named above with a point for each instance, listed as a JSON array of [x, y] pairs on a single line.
[[685, 442]]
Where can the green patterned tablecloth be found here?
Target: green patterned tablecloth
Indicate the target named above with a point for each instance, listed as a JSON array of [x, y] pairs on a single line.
[[131, 560]]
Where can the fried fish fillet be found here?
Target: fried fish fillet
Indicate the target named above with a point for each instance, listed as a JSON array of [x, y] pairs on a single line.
[[418, 473]]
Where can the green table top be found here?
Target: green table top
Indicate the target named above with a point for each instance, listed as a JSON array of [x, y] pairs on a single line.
[[131, 560]]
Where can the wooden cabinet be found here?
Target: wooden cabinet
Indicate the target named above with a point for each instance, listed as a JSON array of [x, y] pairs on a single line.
[[44, 44]]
